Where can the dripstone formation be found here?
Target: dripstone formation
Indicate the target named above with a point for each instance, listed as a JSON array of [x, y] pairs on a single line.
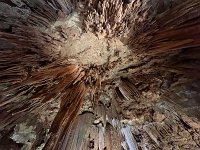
[[99, 74]]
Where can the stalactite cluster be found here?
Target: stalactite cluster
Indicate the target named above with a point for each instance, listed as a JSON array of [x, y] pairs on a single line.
[[107, 74]]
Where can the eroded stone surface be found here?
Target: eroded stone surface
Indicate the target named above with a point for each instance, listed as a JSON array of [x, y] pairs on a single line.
[[87, 48]]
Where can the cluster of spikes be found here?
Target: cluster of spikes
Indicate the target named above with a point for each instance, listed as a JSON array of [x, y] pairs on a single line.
[[32, 74]]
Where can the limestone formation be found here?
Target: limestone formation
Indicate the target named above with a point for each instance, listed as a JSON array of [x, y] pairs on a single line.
[[99, 74]]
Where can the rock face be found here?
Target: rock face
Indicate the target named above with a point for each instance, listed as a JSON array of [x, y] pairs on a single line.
[[107, 74]]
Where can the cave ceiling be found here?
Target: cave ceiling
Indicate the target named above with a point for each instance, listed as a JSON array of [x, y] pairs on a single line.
[[99, 74]]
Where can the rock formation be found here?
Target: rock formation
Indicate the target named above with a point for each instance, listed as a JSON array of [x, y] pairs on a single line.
[[107, 74]]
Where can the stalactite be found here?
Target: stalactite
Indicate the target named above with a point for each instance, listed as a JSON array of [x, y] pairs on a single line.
[[119, 73]]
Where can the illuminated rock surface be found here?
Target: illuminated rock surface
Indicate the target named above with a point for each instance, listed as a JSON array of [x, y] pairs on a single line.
[[107, 74]]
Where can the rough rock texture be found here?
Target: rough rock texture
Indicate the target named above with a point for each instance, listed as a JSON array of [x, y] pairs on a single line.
[[122, 18], [107, 74]]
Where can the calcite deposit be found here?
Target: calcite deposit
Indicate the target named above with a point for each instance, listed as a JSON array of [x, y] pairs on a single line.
[[99, 74]]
